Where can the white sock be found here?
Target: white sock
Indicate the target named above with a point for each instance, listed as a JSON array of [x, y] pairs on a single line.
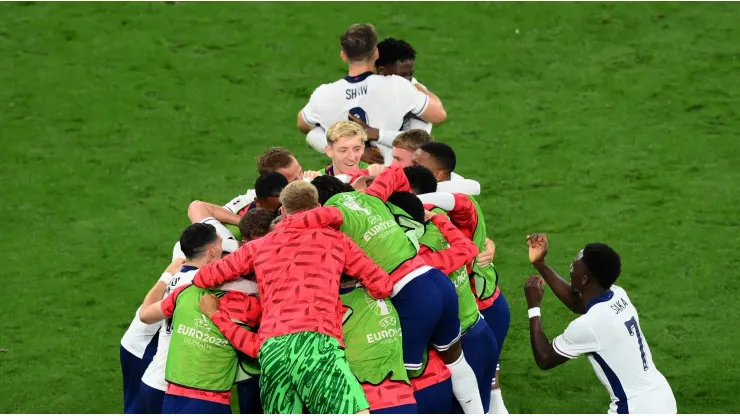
[[497, 403], [465, 386], [316, 139]]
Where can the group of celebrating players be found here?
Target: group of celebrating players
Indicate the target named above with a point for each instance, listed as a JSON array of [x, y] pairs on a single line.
[[361, 287]]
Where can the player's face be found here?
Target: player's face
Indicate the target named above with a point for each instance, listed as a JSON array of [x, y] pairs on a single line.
[[577, 274], [402, 157], [271, 203], [293, 172], [405, 69], [346, 153], [422, 158]]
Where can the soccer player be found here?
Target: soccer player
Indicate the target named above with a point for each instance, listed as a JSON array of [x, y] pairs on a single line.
[[466, 214], [199, 247], [266, 194], [139, 344], [372, 335], [478, 342], [608, 331], [424, 297], [202, 363], [345, 146], [255, 224], [298, 267], [379, 101]]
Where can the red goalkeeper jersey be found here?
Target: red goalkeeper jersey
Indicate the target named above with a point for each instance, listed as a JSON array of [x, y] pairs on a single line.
[[298, 267]]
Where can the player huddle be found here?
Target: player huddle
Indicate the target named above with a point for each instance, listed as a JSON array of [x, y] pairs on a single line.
[[360, 288]]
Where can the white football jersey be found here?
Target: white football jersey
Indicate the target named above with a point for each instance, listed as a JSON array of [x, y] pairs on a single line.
[[380, 101], [610, 335], [154, 374], [139, 335]]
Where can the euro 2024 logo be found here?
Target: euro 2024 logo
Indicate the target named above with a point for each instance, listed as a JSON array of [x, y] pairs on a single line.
[[202, 323]]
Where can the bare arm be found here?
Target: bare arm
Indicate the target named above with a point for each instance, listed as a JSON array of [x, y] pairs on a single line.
[[151, 311], [434, 111], [544, 354], [561, 288], [199, 210]]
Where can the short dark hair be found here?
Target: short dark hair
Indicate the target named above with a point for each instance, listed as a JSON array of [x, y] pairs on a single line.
[[603, 263], [392, 50], [409, 203], [421, 179], [442, 153], [359, 42], [255, 223], [273, 159], [195, 238], [328, 186], [270, 184]]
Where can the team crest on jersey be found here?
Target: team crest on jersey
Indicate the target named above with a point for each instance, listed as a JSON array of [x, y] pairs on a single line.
[[350, 202], [374, 219], [387, 321], [379, 306], [202, 323]]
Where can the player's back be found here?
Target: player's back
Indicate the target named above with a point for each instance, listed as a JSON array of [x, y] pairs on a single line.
[[298, 267], [381, 101], [622, 358]]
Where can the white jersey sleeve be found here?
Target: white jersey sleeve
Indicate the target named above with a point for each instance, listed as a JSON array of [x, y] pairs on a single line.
[[241, 201], [409, 98], [312, 111], [579, 338]]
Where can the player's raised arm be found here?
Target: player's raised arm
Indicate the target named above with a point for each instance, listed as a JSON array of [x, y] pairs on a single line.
[[544, 354], [434, 111], [199, 210], [359, 265], [459, 207], [231, 267], [392, 179], [151, 312], [419, 101], [561, 288], [461, 251], [461, 186], [218, 312]]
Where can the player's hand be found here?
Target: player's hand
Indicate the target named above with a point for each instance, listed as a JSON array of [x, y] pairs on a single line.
[[175, 266], [208, 305], [372, 155], [486, 256], [537, 247], [428, 215], [375, 169], [372, 134], [363, 182], [311, 174], [534, 290]]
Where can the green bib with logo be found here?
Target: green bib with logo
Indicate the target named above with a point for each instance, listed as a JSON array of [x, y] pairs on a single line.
[[199, 357], [369, 223], [372, 335], [468, 312]]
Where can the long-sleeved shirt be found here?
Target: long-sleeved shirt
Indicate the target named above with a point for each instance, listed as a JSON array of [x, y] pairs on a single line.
[[298, 267], [461, 251]]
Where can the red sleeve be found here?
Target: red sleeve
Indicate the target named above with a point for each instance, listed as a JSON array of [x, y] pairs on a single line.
[[359, 265], [357, 174], [461, 251], [464, 215], [324, 217], [242, 339], [168, 303], [392, 179], [231, 267], [242, 307]]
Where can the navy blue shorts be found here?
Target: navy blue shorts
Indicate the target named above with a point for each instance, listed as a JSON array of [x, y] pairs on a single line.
[[249, 396], [189, 406], [133, 368], [405, 409], [435, 399], [148, 401], [428, 309], [498, 318], [481, 352]]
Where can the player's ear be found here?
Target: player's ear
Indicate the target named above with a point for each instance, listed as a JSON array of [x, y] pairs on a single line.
[[282, 212], [344, 56], [376, 54], [329, 153]]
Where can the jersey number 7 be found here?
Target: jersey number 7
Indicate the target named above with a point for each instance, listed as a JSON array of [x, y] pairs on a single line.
[[634, 329]]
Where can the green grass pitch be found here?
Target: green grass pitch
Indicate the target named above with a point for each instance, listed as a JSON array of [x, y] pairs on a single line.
[[611, 122]]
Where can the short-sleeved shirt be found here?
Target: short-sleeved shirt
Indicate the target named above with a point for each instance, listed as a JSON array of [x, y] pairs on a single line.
[[380, 101], [610, 335]]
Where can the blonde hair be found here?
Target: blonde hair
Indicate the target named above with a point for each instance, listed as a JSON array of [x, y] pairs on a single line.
[[299, 196], [412, 140], [344, 128]]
